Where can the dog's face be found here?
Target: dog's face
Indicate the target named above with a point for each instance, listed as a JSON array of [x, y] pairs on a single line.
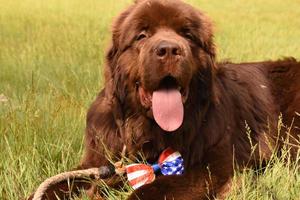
[[158, 47]]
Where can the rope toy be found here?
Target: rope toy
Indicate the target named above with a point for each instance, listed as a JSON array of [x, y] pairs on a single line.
[[96, 172], [170, 162]]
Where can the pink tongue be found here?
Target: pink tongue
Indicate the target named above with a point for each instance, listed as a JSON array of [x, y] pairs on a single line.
[[167, 109]]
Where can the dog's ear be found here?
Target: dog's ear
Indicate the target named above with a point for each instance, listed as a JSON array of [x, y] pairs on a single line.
[[112, 53], [205, 35], [115, 48], [113, 77], [204, 78]]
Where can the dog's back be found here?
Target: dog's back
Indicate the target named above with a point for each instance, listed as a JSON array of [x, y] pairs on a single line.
[[284, 77]]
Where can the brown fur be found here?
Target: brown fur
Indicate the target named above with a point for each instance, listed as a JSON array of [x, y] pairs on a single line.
[[223, 100]]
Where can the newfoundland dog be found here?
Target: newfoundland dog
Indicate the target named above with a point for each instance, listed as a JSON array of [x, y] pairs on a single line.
[[164, 89]]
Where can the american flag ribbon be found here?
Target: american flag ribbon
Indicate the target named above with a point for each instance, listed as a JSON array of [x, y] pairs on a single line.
[[170, 162], [139, 174]]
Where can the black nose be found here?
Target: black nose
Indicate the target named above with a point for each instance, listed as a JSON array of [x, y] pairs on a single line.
[[168, 49]]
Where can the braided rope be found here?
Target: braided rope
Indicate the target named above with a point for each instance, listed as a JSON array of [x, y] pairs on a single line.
[[102, 172], [62, 177]]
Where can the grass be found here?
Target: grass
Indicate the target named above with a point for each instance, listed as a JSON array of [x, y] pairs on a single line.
[[51, 61]]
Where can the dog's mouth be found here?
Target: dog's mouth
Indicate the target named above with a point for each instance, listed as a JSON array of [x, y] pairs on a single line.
[[167, 103]]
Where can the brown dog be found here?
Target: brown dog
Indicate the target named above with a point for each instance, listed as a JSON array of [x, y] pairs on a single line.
[[164, 89]]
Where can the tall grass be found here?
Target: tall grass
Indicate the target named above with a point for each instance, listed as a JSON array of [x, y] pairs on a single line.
[[51, 61]]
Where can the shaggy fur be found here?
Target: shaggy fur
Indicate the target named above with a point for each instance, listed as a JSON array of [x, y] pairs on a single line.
[[222, 102]]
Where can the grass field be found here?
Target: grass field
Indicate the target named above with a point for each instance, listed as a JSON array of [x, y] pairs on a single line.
[[51, 60]]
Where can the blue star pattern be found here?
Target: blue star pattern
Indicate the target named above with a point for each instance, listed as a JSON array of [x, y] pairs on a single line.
[[174, 167]]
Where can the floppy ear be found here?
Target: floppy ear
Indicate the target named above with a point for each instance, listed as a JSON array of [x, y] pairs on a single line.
[[204, 78], [206, 36], [114, 80], [112, 53]]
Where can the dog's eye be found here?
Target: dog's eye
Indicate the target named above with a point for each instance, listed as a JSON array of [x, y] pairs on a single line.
[[185, 32], [189, 35], [141, 36]]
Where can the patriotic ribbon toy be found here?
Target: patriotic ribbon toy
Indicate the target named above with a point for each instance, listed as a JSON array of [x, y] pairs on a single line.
[[170, 162]]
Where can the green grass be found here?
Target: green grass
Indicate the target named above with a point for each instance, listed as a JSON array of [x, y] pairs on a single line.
[[51, 61]]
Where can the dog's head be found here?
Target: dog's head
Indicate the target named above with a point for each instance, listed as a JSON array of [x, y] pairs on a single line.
[[159, 48]]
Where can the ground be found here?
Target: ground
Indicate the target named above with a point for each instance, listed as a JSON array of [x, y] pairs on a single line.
[[51, 61]]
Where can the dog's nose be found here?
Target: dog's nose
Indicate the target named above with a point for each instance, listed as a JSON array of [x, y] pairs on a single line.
[[168, 49]]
